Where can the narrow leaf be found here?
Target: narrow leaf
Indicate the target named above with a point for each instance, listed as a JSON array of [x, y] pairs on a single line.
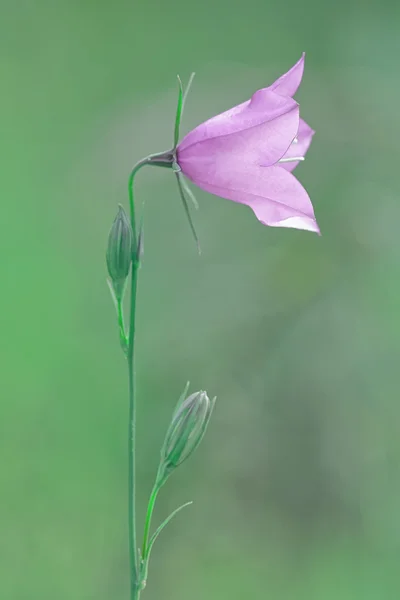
[[113, 296], [186, 92], [185, 205], [189, 193], [178, 113], [161, 527]]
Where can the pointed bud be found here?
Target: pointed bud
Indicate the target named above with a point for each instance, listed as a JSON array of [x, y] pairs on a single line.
[[187, 428], [119, 251]]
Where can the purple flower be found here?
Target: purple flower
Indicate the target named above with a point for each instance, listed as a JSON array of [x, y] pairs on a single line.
[[247, 153]]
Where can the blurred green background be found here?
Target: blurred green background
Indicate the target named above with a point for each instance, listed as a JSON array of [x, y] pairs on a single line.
[[297, 485]]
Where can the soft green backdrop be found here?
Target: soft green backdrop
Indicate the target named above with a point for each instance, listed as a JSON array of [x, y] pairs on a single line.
[[297, 486]]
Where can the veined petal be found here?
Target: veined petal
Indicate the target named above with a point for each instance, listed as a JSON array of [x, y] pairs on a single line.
[[263, 144], [264, 106], [304, 137], [276, 197], [288, 83]]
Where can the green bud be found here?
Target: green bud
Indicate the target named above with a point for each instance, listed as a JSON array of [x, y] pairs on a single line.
[[119, 251], [187, 428]]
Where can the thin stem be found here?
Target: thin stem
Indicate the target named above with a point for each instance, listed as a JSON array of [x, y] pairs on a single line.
[[156, 159], [133, 558], [149, 514]]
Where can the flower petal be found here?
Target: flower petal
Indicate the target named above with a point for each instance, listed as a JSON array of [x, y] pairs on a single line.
[[288, 83], [276, 197], [262, 144], [264, 106], [304, 137]]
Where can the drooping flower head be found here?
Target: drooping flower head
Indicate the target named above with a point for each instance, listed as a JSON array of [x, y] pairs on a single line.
[[247, 153]]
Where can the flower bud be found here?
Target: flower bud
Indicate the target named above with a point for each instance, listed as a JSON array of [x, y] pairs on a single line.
[[187, 428], [119, 251]]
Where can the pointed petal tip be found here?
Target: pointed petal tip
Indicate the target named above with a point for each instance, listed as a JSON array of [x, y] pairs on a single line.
[[316, 229], [306, 130], [300, 62], [304, 223], [288, 83]]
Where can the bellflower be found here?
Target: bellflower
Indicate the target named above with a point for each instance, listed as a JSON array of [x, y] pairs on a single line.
[[247, 153]]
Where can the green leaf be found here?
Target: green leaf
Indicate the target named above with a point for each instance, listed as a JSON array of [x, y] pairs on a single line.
[[161, 527], [189, 193], [186, 207], [186, 92], [113, 296], [178, 113], [182, 95]]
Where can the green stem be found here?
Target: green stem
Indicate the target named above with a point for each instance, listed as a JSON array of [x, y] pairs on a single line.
[[133, 558], [150, 509], [132, 439], [162, 159]]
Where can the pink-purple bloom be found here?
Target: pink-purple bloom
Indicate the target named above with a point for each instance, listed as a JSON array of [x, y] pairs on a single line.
[[247, 153]]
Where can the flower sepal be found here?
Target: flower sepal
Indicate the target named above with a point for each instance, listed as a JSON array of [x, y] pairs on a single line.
[[163, 159]]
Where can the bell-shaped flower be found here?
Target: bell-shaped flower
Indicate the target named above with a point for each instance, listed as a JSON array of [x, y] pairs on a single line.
[[247, 153]]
